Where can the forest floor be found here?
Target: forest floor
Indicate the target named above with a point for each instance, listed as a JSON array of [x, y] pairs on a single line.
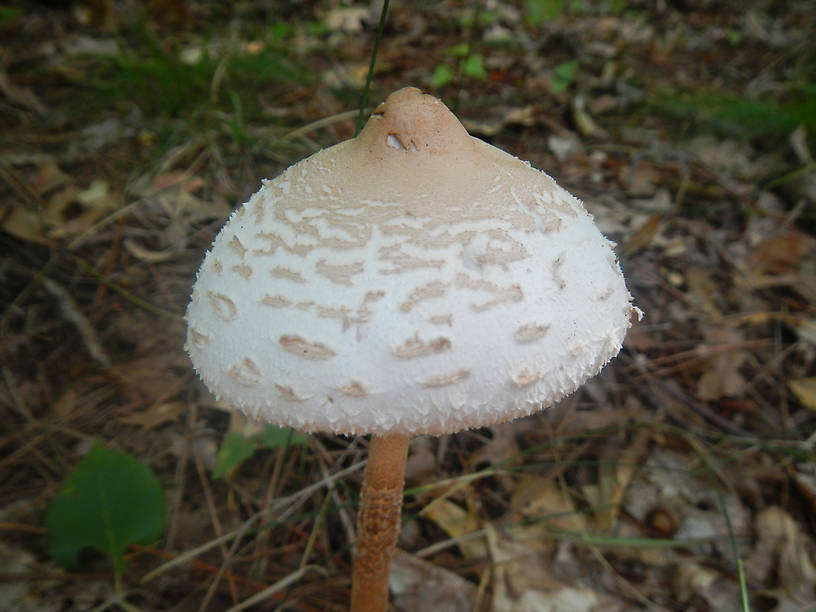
[[682, 478]]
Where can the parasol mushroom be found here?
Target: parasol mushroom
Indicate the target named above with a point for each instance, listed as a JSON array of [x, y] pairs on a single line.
[[412, 280]]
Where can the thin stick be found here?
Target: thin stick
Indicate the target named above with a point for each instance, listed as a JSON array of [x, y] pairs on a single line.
[[370, 76], [216, 525], [378, 522]]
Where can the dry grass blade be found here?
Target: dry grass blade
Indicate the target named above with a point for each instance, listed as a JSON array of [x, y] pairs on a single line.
[[277, 587]]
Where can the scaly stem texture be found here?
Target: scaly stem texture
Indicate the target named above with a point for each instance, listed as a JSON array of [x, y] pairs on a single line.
[[378, 522]]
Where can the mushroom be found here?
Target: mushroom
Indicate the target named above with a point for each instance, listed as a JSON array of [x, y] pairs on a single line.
[[412, 280]]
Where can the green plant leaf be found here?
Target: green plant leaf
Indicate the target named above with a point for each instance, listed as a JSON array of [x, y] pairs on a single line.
[[734, 36], [235, 449], [539, 11], [316, 28], [110, 500], [280, 30], [273, 437], [616, 6], [441, 76], [564, 75], [473, 66], [7, 13], [460, 50]]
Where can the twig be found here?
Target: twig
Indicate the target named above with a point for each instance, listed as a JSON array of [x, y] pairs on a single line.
[[200, 550], [293, 500], [221, 570], [314, 125], [143, 304], [190, 555], [364, 100], [345, 519], [702, 410], [263, 537], [278, 586], [321, 515], [83, 326], [216, 523]]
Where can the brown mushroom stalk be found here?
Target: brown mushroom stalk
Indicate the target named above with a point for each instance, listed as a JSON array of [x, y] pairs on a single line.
[[378, 522]]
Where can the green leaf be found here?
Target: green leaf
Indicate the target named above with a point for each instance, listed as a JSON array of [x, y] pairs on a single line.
[[469, 20], [316, 28], [473, 66], [273, 437], [7, 13], [460, 50], [110, 500], [564, 75], [539, 11], [616, 6], [734, 36], [441, 76], [567, 70], [235, 449], [280, 30]]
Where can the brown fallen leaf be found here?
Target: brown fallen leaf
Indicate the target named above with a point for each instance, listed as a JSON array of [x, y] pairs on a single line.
[[47, 177], [523, 578], [805, 391], [704, 292], [156, 416], [643, 235], [457, 522], [617, 466], [419, 585], [722, 377], [783, 553], [805, 479], [693, 581], [778, 255], [22, 96], [540, 498]]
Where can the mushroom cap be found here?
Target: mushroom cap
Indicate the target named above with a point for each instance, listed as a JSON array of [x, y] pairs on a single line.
[[411, 280]]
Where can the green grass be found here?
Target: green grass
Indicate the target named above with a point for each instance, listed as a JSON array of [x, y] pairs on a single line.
[[740, 116], [160, 83]]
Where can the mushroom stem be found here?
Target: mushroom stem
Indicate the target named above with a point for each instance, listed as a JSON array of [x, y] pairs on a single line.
[[378, 522]]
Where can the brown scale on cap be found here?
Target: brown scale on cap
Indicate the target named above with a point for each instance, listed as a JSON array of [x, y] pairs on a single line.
[[283, 272], [450, 379], [416, 347], [354, 389], [530, 332], [276, 301], [223, 306], [242, 270], [304, 348], [246, 373]]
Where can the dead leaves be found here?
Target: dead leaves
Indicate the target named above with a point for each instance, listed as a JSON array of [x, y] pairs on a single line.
[[21, 96], [805, 391], [523, 581], [649, 508], [50, 207], [782, 551], [420, 585], [156, 415], [722, 377]]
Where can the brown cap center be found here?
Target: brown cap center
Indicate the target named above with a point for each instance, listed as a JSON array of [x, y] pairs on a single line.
[[412, 122]]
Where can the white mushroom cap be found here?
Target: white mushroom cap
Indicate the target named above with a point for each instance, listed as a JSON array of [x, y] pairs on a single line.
[[412, 280]]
